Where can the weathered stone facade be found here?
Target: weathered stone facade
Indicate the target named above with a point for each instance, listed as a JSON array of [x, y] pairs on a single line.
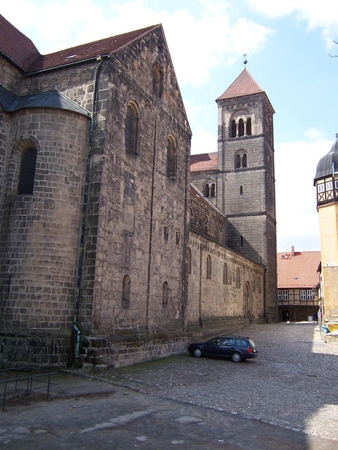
[[244, 179], [225, 288], [95, 251]]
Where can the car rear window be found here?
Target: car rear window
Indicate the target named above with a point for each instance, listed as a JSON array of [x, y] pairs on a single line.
[[242, 342]]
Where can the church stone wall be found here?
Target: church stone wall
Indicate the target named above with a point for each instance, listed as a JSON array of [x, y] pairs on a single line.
[[140, 214], [40, 233], [222, 303]]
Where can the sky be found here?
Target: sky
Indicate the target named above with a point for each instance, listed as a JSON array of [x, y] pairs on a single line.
[[291, 53]]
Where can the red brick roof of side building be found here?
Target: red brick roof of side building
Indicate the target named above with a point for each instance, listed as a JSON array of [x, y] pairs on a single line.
[[15, 46], [298, 269], [203, 162]]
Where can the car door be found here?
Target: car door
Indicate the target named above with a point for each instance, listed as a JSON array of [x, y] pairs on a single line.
[[227, 347], [213, 347]]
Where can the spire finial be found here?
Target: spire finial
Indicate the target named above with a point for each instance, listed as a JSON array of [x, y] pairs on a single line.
[[245, 60]]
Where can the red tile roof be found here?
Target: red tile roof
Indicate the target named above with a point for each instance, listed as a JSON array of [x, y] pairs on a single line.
[[297, 271], [203, 162], [243, 85], [18, 48]]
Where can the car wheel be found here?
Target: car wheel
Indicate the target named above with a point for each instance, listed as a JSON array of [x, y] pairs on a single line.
[[197, 352], [236, 357]]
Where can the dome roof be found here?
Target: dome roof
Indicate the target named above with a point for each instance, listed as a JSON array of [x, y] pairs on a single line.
[[328, 164]]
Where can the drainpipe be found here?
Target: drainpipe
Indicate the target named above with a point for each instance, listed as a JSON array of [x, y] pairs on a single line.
[[84, 213], [151, 224]]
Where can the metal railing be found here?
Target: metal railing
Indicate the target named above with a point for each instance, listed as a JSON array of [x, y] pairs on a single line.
[[21, 382]]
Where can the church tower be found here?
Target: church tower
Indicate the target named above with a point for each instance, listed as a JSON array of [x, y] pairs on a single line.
[[245, 190], [326, 182]]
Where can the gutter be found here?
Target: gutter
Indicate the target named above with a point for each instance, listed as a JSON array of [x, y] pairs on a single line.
[[84, 213], [61, 66], [4, 55]]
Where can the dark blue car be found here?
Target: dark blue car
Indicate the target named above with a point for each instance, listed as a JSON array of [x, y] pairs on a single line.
[[236, 348]]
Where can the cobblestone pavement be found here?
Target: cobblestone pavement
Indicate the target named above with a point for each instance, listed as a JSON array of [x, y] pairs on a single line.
[[292, 383], [284, 399]]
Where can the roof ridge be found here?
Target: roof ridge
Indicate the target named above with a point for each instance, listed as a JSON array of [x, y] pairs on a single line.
[[21, 51], [108, 38], [244, 84]]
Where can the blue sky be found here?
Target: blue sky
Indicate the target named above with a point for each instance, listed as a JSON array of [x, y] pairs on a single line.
[[288, 45]]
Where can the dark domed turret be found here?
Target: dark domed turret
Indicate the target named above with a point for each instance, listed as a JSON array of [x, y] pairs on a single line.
[[326, 179], [328, 164]]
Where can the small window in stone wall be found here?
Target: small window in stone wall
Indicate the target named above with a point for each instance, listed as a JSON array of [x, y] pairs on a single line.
[[165, 298], [238, 278], [210, 190], [171, 158], [233, 128], [126, 292], [225, 273], [248, 126], [166, 233], [178, 238], [209, 267], [241, 160], [132, 128], [241, 127], [27, 172], [157, 81]]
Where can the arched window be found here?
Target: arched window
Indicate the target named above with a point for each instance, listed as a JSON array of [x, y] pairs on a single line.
[[240, 127], [126, 292], [132, 129], [238, 161], [210, 190], [241, 159], [165, 297], [209, 267], [248, 126], [233, 128], [27, 172], [172, 158], [157, 80], [225, 274]]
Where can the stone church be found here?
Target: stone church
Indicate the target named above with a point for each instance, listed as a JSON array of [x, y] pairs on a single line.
[[109, 252]]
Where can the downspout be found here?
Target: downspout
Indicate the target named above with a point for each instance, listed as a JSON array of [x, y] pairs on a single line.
[[200, 319], [185, 276], [266, 315], [151, 224], [84, 214]]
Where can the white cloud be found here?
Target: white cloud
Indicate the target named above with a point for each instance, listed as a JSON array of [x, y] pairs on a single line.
[[317, 14], [197, 43], [296, 164], [203, 142]]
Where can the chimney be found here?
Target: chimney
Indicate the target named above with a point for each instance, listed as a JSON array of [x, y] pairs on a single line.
[[292, 251]]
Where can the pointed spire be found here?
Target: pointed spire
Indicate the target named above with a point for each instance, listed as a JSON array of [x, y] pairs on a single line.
[[243, 85]]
